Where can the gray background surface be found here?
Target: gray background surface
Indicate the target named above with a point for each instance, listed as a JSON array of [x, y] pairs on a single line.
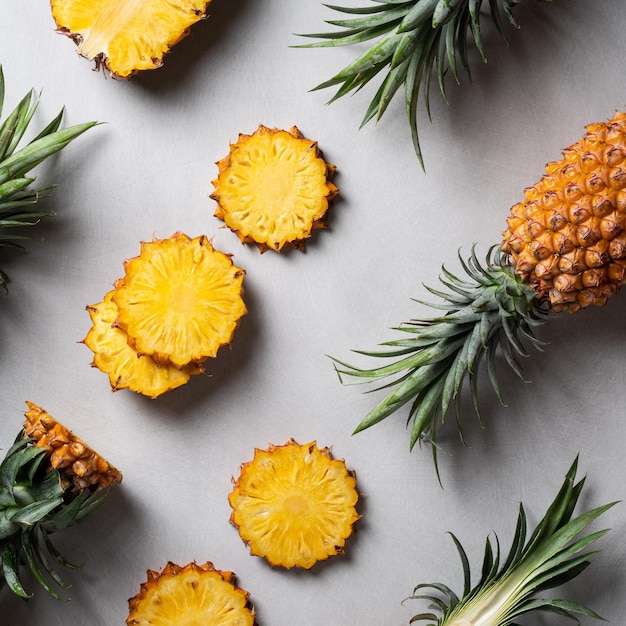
[[148, 170]]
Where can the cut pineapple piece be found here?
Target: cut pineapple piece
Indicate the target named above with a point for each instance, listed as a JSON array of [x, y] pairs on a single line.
[[126, 369], [294, 504], [180, 300], [274, 188], [190, 596], [126, 36], [68, 453]]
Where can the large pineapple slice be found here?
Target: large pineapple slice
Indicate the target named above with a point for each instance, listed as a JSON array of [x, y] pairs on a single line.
[[273, 188], [294, 504], [564, 249], [126, 36], [50, 480], [114, 355], [192, 595], [180, 300]]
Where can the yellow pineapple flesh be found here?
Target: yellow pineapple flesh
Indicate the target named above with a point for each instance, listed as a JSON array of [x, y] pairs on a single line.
[[567, 238], [193, 595], [69, 454], [180, 300], [273, 188], [294, 504], [126, 36], [114, 356]]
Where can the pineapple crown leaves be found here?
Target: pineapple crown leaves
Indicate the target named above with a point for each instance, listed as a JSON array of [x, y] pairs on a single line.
[[18, 198], [552, 555], [489, 310], [35, 501], [413, 40]]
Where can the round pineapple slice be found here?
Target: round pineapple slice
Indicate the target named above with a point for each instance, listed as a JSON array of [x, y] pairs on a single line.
[[274, 188], [193, 595], [126, 369], [126, 37], [180, 300], [68, 453], [294, 504]]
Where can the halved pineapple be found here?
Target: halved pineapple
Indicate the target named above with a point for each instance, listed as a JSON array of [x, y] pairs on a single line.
[[294, 504], [126, 36], [69, 454], [190, 596], [273, 188], [180, 300], [114, 356]]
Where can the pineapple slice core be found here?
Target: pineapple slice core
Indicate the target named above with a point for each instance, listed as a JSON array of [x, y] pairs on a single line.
[[126, 36], [274, 188], [294, 504], [196, 595]]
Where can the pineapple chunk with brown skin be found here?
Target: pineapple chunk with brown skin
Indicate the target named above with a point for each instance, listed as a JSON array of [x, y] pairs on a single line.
[[190, 596], [126, 369], [180, 300], [68, 454], [126, 36], [273, 188], [294, 504]]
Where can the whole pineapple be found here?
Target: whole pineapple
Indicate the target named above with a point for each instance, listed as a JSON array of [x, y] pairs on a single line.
[[49, 480], [414, 40], [19, 200], [564, 249]]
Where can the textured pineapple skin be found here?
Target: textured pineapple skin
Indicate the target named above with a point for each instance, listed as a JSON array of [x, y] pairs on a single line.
[[83, 466], [180, 594], [567, 238], [123, 36]]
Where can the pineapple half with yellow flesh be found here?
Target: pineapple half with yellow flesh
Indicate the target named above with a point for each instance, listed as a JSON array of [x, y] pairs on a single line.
[[49, 480], [178, 303], [273, 188], [126, 36], [294, 504], [564, 249], [190, 596]]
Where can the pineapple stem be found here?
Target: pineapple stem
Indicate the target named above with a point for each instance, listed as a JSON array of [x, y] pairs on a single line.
[[550, 558]]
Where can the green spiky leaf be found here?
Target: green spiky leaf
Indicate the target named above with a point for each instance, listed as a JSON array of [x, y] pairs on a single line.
[[487, 310], [412, 40], [551, 557], [19, 197]]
